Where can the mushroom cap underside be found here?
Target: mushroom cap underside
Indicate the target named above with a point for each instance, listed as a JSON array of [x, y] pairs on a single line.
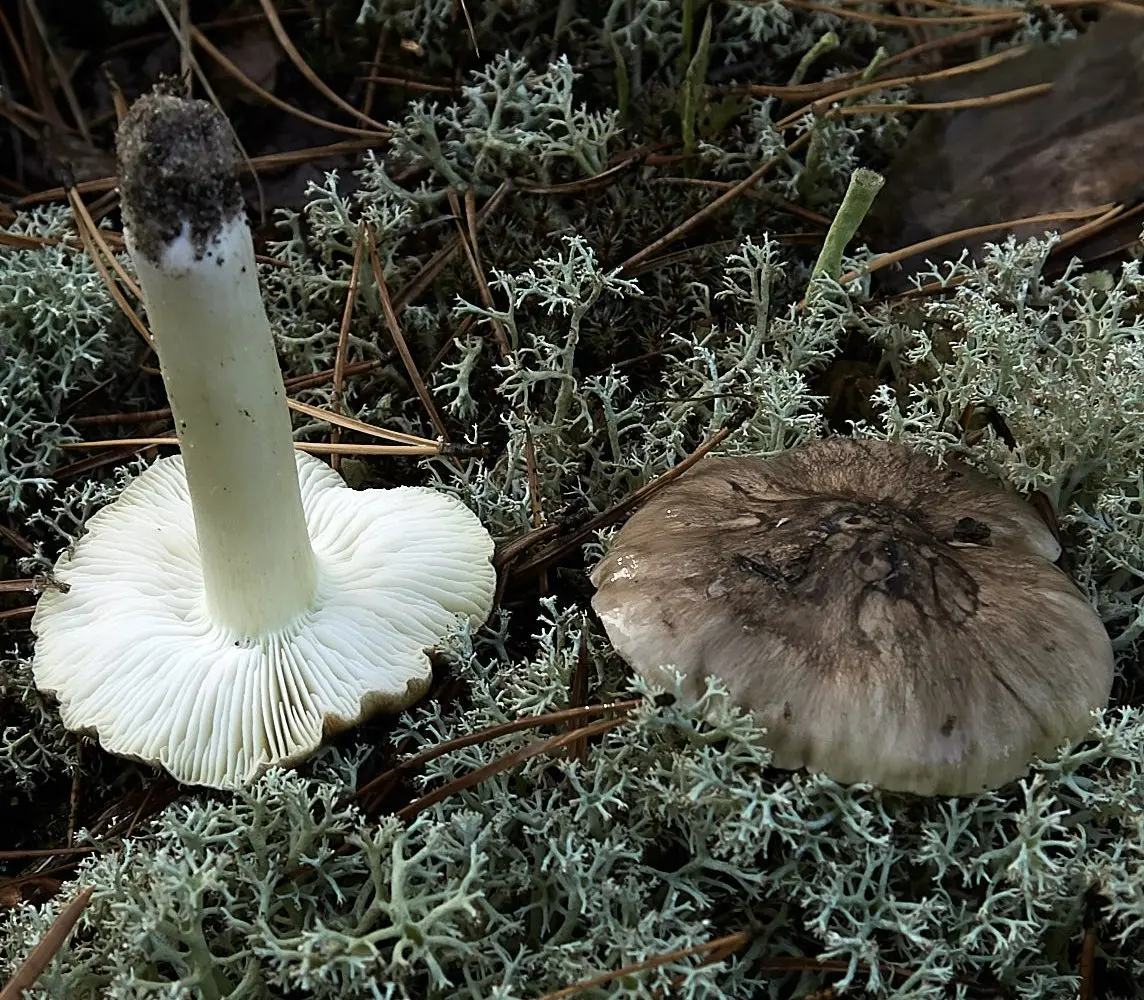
[[886, 620], [128, 648]]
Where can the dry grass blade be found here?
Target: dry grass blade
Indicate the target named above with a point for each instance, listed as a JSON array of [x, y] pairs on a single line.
[[44, 852], [63, 78], [506, 762], [886, 259], [608, 517], [81, 217], [18, 540], [821, 104], [353, 424], [313, 447], [97, 235], [989, 101], [705, 213], [596, 183], [834, 88], [27, 586], [1007, 16], [383, 783], [45, 951], [344, 336], [269, 161], [304, 68], [437, 263], [399, 341], [216, 54], [728, 945]]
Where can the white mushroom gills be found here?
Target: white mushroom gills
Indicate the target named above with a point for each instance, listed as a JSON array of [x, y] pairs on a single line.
[[228, 398]]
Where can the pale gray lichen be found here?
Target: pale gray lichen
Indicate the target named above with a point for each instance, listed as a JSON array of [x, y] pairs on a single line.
[[667, 833], [60, 332]]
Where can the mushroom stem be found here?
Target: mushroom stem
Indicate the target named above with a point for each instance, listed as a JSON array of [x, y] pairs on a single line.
[[187, 233]]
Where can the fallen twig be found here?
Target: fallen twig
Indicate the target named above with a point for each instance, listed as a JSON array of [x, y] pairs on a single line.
[[39, 957]]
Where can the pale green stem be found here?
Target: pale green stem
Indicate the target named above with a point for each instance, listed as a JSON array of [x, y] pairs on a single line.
[[863, 188], [226, 393]]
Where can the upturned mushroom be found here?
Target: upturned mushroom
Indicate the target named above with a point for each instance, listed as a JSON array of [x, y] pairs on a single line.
[[885, 619], [238, 601]]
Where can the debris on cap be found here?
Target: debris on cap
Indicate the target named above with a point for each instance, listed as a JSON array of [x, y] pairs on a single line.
[[886, 619]]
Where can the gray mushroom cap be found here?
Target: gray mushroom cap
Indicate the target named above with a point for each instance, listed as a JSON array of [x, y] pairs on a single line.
[[886, 619]]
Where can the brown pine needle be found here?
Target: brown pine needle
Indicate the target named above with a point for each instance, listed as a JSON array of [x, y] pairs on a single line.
[[400, 81], [821, 104], [830, 89], [469, 25], [321, 378], [44, 852], [96, 258], [304, 68], [437, 263], [1002, 97], [705, 213], [313, 447], [611, 515], [353, 424], [886, 259], [16, 49], [366, 450], [727, 945], [344, 335], [13, 538], [39, 957], [385, 781], [63, 78], [399, 341], [268, 161], [80, 209], [467, 234], [1082, 232], [504, 763], [216, 54], [1010, 16]]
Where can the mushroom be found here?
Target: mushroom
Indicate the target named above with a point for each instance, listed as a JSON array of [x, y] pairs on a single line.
[[884, 618], [238, 601]]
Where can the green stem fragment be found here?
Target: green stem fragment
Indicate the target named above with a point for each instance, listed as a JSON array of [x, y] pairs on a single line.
[[827, 43], [693, 86], [863, 188]]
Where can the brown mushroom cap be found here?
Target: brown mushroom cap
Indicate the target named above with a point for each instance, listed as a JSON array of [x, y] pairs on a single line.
[[886, 619]]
